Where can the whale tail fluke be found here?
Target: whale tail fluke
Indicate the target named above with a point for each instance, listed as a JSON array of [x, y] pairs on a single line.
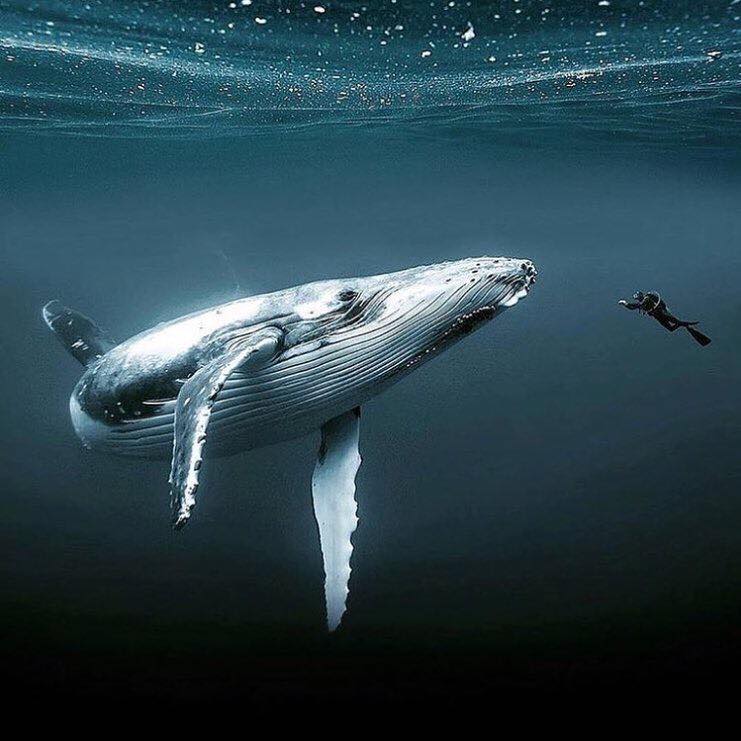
[[80, 336]]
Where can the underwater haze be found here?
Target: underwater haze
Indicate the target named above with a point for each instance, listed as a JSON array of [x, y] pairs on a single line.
[[552, 504]]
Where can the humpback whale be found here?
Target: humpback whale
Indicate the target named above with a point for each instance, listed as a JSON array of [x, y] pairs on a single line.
[[277, 366]]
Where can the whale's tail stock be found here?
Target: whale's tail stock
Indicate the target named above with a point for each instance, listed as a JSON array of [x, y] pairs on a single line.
[[80, 336]]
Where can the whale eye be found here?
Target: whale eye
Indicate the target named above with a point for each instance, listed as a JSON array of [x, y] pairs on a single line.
[[348, 295]]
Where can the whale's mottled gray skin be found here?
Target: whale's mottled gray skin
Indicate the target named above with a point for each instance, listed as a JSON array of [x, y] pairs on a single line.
[[344, 341], [277, 366]]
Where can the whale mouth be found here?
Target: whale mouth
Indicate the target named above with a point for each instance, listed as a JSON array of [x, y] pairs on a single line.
[[522, 286], [516, 295], [469, 321]]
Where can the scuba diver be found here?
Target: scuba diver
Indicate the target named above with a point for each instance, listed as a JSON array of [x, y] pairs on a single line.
[[653, 305]]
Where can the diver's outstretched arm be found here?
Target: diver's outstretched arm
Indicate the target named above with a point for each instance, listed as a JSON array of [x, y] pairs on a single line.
[[630, 306]]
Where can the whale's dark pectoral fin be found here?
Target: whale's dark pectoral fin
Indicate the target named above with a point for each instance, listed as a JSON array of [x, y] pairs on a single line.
[[335, 508], [193, 410], [80, 336]]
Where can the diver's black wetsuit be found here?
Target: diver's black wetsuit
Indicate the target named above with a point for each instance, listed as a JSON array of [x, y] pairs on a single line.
[[653, 305]]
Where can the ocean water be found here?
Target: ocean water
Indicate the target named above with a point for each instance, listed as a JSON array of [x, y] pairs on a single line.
[[552, 504]]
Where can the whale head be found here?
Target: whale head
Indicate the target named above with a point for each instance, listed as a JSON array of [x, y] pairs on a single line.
[[457, 292], [388, 323]]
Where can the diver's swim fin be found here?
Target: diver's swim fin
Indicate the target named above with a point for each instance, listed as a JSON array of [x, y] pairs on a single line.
[[700, 338]]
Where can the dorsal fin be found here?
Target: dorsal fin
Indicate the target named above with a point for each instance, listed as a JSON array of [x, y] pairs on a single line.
[[81, 337]]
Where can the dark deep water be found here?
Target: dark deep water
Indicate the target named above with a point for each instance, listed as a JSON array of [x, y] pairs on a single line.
[[551, 505]]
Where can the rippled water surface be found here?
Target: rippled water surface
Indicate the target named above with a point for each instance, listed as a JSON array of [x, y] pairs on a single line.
[[625, 68]]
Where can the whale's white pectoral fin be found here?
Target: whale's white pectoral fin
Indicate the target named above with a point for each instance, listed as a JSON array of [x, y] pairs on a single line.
[[193, 410], [335, 508]]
